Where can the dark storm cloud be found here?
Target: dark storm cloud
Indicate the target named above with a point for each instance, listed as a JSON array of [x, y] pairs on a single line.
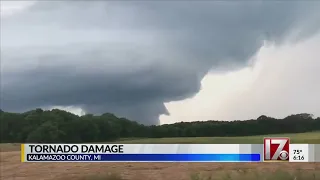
[[129, 57]]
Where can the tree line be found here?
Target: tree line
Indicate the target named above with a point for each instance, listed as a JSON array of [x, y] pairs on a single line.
[[58, 126]]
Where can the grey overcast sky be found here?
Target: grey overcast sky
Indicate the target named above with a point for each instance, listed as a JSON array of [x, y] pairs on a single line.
[[177, 60]]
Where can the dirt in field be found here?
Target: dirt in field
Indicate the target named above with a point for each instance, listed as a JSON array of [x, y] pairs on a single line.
[[13, 169]]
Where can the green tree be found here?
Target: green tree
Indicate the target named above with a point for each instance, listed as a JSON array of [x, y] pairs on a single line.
[[57, 126], [46, 133]]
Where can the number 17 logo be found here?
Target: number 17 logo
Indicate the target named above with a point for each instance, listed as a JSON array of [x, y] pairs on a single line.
[[276, 149]]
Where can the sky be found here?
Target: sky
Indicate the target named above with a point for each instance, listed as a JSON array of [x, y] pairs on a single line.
[[162, 62]]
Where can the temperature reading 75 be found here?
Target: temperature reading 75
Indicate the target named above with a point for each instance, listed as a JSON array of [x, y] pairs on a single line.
[[297, 151]]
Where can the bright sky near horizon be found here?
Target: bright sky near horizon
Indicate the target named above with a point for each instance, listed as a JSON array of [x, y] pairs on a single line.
[[268, 87], [189, 64]]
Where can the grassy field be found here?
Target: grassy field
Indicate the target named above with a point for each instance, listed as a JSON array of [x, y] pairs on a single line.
[[299, 138], [302, 138], [222, 175], [13, 169]]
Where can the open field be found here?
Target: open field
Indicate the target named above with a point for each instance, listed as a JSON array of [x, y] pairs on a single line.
[[298, 138], [13, 169], [302, 138]]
